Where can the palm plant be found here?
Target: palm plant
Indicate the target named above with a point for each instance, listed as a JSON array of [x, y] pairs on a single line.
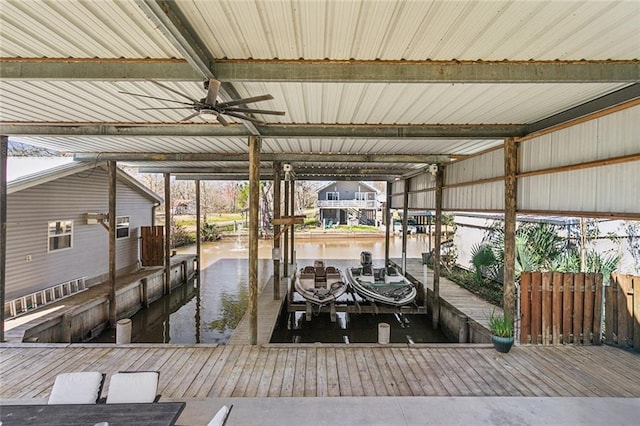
[[482, 258]]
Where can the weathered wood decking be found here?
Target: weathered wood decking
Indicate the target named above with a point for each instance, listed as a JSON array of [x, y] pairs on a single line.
[[200, 371]]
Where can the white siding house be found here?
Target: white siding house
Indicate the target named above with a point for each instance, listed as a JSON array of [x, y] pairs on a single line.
[[49, 239], [340, 201]]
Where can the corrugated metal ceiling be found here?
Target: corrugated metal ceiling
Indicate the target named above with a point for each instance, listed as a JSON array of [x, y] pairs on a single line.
[[296, 29], [326, 103], [416, 30], [79, 29]]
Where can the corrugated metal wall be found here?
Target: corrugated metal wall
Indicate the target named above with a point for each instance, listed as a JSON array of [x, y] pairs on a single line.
[[397, 194], [420, 197], [69, 198], [613, 188], [609, 188], [487, 196]]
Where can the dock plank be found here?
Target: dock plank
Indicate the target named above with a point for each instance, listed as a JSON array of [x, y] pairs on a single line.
[[346, 370]]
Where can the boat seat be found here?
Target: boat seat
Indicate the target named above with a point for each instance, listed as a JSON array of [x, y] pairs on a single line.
[[367, 270], [392, 271], [309, 270], [321, 277], [331, 270]]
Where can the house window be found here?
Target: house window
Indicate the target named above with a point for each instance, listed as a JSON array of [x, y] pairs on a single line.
[[333, 196], [361, 196], [122, 226], [60, 234]]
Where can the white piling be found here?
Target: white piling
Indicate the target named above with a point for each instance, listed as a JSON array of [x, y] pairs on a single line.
[[123, 332], [384, 332]]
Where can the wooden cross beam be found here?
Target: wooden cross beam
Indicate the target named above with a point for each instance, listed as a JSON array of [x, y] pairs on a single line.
[[286, 222]]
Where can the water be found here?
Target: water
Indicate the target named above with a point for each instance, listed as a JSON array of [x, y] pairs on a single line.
[[209, 312]]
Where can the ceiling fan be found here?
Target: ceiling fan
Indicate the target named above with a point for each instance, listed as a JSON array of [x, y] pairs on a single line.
[[210, 105]]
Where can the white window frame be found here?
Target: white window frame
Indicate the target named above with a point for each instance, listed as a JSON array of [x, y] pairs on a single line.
[[119, 226], [50, 236], [333, 192]]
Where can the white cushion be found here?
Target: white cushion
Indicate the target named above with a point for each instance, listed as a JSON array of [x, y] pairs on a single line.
[[128, 388], [76, 388], [218, 419]]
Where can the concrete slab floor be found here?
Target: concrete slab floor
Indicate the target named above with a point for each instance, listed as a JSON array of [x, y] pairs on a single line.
[[391, 411]]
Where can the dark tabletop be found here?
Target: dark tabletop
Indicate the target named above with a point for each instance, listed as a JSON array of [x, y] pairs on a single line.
[[159, 413]]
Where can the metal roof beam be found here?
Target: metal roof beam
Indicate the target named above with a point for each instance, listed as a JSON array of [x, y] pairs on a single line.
[[366, 131], [269, 176], [299, 171], [97, 69], [429, 71], [313, 158], [199, 65]]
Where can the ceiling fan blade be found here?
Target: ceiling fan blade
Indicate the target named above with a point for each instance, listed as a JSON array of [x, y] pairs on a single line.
[[189, 117], [256, 111], [212, 91], [149, 109], [153, 97], [244, 117], [221, 120], [172, 90], [245, 101]]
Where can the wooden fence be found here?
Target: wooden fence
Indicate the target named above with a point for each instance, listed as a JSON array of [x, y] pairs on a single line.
[[560, 308], [152, 246], [622, 311]]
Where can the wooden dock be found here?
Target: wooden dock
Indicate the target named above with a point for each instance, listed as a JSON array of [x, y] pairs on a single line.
[[471, 305], [204, 371]]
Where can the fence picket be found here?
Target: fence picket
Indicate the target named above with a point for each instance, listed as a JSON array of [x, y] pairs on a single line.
[[525, 307], [623, 314], [536, 308], [546, 308], [578, 299], [567, 307], [610, 309], [556, 301], [587, 318], [597, 310]]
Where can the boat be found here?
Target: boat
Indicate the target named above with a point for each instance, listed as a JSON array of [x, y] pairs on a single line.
[[382, 285], [320, 284]]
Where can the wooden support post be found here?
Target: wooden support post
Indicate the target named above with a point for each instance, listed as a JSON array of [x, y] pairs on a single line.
[[437, 242], [254, 207], [405, 223], [510, 209], [145, 292], [198, 226], [65, 327], [285, 259], [292, 206], [113, 310], [4, 143], [167, 233], [388, 222], [276, 229]]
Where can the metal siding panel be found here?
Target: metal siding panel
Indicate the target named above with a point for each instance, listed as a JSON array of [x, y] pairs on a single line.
[[484, 166], [605, 189], [488, 196], [610, 136], [67, 199]]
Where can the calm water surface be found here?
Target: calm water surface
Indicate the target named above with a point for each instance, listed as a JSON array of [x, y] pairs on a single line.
[[211, 314]]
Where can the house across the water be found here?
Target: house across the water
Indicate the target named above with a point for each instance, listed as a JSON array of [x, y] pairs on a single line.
[[55, 244], [348, 203]]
